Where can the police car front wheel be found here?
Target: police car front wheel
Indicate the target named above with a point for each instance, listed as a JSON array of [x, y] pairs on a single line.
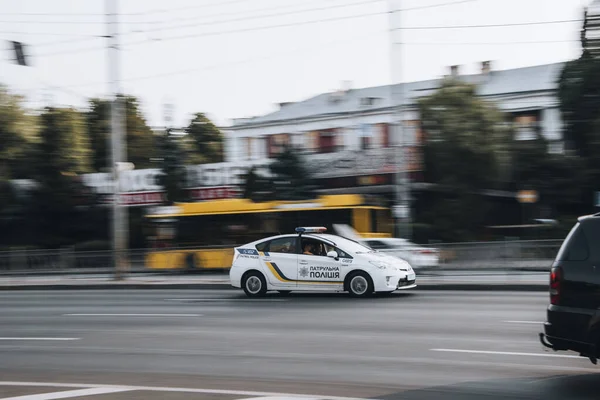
[[254, 284], [359, 284]]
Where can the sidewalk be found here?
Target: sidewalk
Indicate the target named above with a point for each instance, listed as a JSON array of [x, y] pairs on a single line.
[[455, 281]]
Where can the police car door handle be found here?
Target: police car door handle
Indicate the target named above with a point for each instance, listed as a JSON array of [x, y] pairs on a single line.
[[303, 262]]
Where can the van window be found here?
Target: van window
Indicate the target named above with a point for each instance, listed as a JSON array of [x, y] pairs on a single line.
[[575, 246]]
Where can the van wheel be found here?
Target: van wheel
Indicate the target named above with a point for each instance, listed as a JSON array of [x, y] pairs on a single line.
[[254, 284], [359, 284]]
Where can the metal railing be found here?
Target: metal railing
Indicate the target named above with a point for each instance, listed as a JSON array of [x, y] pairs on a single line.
[[501, 255]]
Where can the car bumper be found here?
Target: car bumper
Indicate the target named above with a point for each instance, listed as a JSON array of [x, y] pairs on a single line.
[[393, 282], [569, 328], [235, 277]]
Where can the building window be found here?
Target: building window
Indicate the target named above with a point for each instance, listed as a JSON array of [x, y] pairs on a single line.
[[366, 136], [277, 144], [248, 143], [327, 141], [384, 130], [527, 125]]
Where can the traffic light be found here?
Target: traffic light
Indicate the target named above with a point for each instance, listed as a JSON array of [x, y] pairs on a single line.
[[19, 49]]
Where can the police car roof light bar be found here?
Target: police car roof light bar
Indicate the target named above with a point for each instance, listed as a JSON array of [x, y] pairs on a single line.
[[311, 229]]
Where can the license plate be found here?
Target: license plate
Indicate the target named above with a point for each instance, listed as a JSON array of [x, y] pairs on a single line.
[[411, 277]]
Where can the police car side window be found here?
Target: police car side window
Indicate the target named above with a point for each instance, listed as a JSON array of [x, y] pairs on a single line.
[[262, 246], [282, 245]]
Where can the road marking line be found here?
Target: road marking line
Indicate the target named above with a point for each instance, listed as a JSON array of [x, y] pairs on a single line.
[[40, 338], [223, 300], [503, 353], [278, 398], [524, 322], [68, 394], [175, 389], [132, 315]]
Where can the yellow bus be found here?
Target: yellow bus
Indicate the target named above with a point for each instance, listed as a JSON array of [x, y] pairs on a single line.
[[202, 235]]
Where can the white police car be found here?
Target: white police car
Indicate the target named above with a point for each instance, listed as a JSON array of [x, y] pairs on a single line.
[[311, 260]]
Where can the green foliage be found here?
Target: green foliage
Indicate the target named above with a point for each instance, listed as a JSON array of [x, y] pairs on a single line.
[[467, 151], [579, 94], [256, 187], [172, 165], [17, 133], [98, 125], [204, 141], [467, 138], [290, 179], [141, 142]]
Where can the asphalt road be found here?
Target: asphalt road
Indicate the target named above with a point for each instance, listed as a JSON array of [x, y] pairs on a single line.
[[184, 344]]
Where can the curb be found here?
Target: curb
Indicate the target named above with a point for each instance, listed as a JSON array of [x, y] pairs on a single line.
[[221, 286]]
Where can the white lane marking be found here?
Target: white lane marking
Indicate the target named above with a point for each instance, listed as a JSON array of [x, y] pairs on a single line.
[[175, 389], [223, 300], [41, 338], [68, 394], [132, 315], [278, 398], [504, 353], [524, 322]]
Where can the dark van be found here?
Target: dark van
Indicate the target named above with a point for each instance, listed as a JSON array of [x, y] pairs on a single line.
[[573, 316]]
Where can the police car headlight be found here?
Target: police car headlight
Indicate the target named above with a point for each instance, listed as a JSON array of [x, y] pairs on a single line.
[[380, 264]]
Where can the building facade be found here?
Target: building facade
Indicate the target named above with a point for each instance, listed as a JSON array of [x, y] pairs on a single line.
[[356, 120], [347, 137]]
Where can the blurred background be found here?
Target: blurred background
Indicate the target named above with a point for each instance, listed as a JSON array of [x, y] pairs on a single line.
[[470, 127]]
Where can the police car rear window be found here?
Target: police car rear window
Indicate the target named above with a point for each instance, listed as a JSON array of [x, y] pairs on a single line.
[[262, 246]]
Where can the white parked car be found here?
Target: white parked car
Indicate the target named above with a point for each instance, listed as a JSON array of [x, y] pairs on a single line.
[[417, 256], [311, 260]]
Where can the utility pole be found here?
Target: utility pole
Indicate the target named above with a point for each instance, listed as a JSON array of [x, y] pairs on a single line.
[[402, 207], [118, 150]]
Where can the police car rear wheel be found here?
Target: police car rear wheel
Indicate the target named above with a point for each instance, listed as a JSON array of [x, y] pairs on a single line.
[[360, 285], [255, 284]]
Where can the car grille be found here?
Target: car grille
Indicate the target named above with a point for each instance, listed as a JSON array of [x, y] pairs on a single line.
[[404, 282]]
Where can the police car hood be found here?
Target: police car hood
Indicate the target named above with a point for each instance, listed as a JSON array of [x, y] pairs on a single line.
[[385, 258]]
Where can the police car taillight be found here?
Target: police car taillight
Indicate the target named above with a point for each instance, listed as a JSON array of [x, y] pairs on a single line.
[[236, 254], [555, 285]]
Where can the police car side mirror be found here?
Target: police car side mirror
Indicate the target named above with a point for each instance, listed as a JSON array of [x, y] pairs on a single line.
[[333, 254]]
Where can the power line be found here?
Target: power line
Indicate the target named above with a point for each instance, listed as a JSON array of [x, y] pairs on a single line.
[[46, 34], [438, 5], [259, 28], [491, 25], [293, 51], [85, 39], [138, 13], [248, 18], [491, 43]]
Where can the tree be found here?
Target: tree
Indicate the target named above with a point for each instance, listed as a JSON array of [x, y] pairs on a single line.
[[140, 139], [256, 187], [290, 179], [172, 165], [63, 154], [466, 152], [98, 125], [17, 133], [204, 141], [579, 95]]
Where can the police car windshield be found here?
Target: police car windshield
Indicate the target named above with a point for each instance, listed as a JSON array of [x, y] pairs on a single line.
[[348, 245]]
